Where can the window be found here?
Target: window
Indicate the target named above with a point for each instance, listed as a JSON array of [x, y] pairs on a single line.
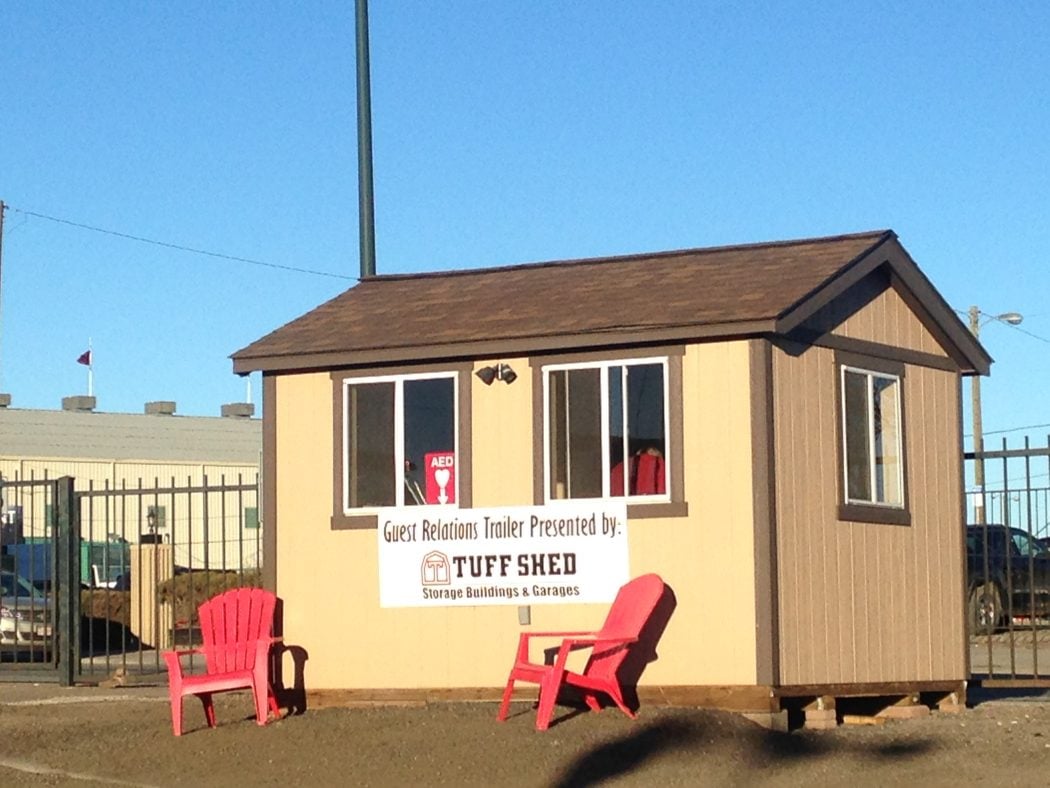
[[605, 430], [873, 470], [393, 429], [251, 517]]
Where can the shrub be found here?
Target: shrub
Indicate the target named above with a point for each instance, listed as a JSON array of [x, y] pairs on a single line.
[[106, 604], [187, 590]]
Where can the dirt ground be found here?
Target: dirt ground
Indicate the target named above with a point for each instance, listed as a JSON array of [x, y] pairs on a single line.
[[92, 736]]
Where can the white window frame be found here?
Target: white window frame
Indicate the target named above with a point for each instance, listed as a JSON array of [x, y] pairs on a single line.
[[898, 380], [399, 436], [604, 367]]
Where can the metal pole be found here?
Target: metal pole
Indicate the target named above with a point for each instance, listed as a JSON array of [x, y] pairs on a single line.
[[3, 208], [978, 434], [365, 197], [68, 582]]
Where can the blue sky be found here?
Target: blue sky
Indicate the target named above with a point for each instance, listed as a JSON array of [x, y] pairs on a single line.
[[504, 133]]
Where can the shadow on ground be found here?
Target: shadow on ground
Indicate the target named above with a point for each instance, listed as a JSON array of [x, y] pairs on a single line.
[[758, 747]]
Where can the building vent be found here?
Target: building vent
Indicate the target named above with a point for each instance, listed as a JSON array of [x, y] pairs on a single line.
[[238, 410], [160, 408], [79, 403]]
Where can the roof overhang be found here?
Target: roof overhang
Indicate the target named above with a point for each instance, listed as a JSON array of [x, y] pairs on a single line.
[[519, 346], [918, 292]]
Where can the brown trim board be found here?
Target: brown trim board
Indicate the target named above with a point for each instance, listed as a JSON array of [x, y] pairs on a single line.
[[863, 347], [739, 697], [269, 483], [960, 469], [763, 472]]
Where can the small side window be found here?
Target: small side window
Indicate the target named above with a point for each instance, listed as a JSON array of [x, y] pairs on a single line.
[[871, 431]]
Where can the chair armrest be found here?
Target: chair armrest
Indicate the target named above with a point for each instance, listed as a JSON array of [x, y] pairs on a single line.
[[172, 658], [573, 643], [525, 637], [176, 654]]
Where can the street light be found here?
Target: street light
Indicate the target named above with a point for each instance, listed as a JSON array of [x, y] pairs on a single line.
[[1010, 318]]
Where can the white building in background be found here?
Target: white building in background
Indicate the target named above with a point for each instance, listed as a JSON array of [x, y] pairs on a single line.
[[147, 477]]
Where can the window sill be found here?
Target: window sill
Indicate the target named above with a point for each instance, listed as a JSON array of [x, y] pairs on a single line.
[[863, 513], [650, 511], [355, 522]]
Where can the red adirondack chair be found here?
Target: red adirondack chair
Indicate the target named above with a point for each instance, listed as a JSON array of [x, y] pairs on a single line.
[[633, 606], [236, 627]]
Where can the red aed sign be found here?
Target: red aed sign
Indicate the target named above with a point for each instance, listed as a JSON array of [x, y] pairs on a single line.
[[441, 476]]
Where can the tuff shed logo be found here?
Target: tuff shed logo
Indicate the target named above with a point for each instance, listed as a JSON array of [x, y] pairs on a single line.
[[436, 569]]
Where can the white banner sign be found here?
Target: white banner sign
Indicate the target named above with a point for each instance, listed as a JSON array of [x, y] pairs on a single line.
[[527, 555]]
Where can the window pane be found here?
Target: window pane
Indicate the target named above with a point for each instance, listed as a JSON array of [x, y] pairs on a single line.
[[370, 445], [575, 433], [855, 419], [887, 440], [557, 427], [645, 442], [429, 427], [617, 432], [645, 419]]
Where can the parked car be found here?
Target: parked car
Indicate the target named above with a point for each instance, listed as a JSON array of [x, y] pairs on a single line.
[[25, 616], [1008, 581]]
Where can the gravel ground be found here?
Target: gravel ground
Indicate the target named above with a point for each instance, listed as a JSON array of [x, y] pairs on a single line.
[[87, 737]]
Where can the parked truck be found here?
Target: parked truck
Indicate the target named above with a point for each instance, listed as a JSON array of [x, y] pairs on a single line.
[[101, 563]]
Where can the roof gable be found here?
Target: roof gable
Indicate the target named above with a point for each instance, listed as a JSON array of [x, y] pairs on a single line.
[[747, 290]]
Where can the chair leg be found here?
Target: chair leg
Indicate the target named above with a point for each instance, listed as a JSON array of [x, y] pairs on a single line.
[[615, 693], [549, 688], [271, 697], [505, 705], [260, 694], [176, 714], [592, 701], [209, 708]]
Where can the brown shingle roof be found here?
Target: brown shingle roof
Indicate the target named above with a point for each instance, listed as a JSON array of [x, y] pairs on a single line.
[[723, 290]]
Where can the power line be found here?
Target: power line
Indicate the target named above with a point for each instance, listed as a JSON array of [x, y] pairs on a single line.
[[1029, 333], [1011, 429], [179, 247]]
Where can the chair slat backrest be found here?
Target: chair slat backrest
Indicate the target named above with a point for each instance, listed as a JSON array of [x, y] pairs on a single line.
[[231, 625], [634, 604]]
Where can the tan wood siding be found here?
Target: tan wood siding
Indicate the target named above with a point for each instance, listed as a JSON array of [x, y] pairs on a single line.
[[889, 320], [866, 602], [707, 557]]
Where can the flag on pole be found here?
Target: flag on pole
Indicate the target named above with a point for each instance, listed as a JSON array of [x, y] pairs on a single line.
[[85, 358]]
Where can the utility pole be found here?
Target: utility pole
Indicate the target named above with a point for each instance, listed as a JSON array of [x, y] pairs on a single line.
[[365, 198], [1012, 319], [3, 208], [978, 433]]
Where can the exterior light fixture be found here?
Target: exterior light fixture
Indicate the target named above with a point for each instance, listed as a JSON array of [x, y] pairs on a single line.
[[498, 372]]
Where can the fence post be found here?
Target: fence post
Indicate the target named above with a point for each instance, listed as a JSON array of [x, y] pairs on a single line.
[[67, 581]]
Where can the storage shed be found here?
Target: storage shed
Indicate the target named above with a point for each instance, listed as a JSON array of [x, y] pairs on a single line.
[[800, 406]]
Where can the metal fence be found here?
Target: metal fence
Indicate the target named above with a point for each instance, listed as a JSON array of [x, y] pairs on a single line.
[[1008, 566], [28, 568], [139, 558]]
